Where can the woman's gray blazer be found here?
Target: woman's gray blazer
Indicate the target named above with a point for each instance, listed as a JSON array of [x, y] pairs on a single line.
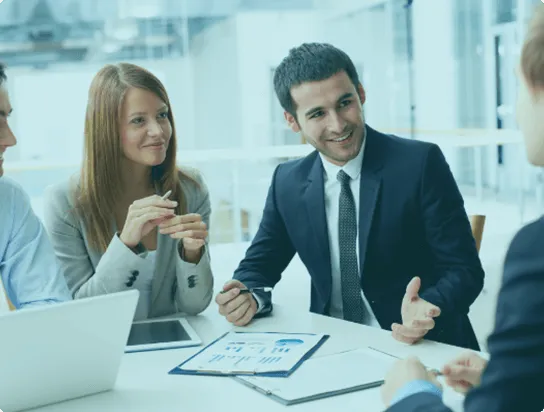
[[177, 286]]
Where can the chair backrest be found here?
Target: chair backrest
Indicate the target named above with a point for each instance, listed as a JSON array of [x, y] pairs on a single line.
[[477, 223], [4, 299]]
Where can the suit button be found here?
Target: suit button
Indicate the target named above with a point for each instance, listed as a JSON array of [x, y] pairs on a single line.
[[130, 283], [135, 273]]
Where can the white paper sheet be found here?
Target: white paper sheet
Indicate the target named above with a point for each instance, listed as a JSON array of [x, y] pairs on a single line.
[[325, 376]]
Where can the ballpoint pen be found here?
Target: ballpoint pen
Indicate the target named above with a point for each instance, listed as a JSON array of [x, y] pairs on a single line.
[[250, 290], [436, 372], [165, 196]]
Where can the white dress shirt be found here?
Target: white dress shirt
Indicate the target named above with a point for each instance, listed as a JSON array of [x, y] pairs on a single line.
[[332, 197]]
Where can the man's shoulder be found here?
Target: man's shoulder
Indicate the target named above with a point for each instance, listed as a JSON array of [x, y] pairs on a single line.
[[14, 204], [404, 144], [409, 157], [297, 168], [12, 192], [529, 239], [65, 191]]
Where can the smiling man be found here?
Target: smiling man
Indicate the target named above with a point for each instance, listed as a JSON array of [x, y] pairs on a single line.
[[377, 220], [28, 266]]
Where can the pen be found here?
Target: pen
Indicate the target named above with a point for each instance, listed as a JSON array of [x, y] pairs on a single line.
[[434, 371], [264, 289], [166, 195]]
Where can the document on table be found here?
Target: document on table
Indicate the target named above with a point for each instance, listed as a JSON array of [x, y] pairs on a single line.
[[253, 353], [325, 376]]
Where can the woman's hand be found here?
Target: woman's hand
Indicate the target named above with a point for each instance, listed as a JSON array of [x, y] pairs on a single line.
[[191, 230], [143, 216]]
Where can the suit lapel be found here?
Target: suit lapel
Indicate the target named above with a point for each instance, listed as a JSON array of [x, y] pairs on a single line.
[[314, 200], [369, 190]]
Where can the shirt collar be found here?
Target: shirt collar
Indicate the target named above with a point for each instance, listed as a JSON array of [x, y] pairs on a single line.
[[351, 168]]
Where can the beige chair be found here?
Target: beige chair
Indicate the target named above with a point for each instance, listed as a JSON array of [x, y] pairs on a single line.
[[11, 307], [477, 223]]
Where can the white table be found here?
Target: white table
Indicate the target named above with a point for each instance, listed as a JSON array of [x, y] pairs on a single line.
[[143, 383]]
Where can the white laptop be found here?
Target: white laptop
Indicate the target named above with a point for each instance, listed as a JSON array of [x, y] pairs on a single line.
[[62, 351]]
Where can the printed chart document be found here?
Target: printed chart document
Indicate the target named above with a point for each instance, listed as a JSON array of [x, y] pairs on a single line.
[[325, 376], [253, 353]]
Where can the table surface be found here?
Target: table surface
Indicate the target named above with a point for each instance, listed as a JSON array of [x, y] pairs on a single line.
[[143, 383]]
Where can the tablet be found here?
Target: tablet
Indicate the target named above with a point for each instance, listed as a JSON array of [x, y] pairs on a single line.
[[155, 334]]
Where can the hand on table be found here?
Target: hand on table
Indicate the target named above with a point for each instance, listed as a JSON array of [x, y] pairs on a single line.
[[403, 372], [237, 308]]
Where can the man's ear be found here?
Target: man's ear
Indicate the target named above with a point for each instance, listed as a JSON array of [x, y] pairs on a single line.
[[362, 93], [291, 122]]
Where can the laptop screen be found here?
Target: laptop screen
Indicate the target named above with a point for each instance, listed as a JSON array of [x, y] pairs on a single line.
[[157, 332]]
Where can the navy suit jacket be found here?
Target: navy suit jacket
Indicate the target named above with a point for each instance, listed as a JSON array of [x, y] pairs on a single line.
[[412, 222], [514, 375]]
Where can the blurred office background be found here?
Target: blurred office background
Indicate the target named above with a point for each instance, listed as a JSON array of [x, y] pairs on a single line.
[[440, 70]]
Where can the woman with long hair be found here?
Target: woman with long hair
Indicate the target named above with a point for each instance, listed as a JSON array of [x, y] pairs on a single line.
[[132, 218]]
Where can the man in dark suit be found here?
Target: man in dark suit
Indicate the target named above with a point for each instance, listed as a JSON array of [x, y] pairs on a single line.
[[377, 220]]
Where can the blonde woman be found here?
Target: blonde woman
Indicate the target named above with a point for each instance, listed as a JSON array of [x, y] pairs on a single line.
[[132, 218]]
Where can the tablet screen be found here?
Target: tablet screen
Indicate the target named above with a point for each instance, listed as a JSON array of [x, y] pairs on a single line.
[[157, 332]]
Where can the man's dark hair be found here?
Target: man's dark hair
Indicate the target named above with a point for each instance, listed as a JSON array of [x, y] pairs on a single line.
[[310, 62], [3, 76]]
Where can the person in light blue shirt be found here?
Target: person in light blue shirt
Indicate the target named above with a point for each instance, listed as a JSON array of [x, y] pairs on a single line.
[[28, 266]]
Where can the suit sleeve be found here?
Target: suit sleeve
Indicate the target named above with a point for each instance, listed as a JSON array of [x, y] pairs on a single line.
[[458, 270], [116, 267], [271, 249], [195, 281], [420, 402], [513, 378]]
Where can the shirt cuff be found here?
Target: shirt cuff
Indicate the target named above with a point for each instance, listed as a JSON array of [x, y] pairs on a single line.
[[260, 303], [187, 264], [411, 388]]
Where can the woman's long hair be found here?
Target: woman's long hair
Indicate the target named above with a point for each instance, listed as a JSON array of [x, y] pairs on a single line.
[[101, 176]]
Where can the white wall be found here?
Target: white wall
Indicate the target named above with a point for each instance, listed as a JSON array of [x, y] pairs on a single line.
[[434, 69], [342, 6], [434, 65], [364, 35], [264, 39], [49, 112], [216, 101], [215, 57]]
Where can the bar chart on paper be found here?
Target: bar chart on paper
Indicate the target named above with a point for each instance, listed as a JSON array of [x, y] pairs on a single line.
[[251, 353]]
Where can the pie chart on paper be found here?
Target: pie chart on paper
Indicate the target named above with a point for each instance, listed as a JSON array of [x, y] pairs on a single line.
[[289, 342]]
